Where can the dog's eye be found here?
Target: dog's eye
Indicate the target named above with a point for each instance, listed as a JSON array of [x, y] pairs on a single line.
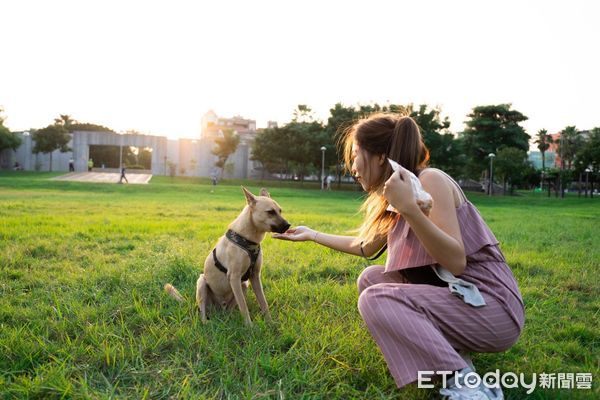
[[272, 212]]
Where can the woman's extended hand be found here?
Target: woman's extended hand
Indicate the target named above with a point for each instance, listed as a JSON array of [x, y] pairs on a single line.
[[399, 193], [297, 234]]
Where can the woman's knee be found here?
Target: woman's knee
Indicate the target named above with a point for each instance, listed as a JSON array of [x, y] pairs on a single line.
[[369, 276], [508, 341], [372, 303]]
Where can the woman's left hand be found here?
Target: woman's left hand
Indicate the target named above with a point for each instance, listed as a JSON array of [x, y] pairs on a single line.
[[399, 193]]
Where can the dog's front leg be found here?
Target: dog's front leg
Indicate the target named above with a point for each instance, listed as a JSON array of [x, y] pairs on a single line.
[[235, 282], [260, 294]]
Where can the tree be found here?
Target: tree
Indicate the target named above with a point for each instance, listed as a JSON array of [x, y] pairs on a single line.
[[511, 165], [270, 148], [589, 154], [543, 142], [72, 125], [84, 126], [490, 128], [8, 139], [303, 113], [51, 138], [65, 121], [445, 151], [341, 118], [306, 139], [225, 146], [569, 144]]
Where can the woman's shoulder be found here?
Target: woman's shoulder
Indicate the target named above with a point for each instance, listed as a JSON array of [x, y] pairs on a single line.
[[433, 174], [440, 182]]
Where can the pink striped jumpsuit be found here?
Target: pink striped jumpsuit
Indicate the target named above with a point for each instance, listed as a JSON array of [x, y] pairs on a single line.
[[415, 320]]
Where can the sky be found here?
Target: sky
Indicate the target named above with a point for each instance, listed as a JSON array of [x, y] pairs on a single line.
[[158, 66]]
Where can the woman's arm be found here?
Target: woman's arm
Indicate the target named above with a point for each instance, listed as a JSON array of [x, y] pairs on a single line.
[[440, 232], [340, 243]]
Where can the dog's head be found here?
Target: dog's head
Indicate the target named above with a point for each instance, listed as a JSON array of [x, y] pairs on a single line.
[[266, 213]]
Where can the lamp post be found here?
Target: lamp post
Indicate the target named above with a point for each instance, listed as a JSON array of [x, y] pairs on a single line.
[[323, 148], [562, 167], [587, 180], [491, 156]]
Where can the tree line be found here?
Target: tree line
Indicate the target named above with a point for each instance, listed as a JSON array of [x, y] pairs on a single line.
[[294, 148]]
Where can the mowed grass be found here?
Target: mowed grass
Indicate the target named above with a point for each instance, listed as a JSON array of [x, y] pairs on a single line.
[[83, 314]]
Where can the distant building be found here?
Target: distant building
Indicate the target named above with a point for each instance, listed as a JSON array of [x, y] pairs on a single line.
[[535, 157], [213, 127], [187, 157]]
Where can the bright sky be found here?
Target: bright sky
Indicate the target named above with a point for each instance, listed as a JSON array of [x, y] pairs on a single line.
[[158, 66]]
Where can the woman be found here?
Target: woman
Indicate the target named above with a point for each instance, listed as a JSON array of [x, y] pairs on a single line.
[[422, 317]]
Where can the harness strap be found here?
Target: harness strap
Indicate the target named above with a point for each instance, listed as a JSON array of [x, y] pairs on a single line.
[[253, 250]]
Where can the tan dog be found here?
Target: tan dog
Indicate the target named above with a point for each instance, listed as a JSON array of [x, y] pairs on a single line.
[[237, 258]]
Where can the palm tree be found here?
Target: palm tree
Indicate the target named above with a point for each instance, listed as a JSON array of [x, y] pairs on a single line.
[[64, 120], [570, 143], [225, 146], [543, 143]]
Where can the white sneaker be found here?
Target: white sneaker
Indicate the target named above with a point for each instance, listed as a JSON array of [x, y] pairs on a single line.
[[452, 391]]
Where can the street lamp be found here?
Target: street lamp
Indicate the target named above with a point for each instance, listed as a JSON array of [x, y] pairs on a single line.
[[587, 179], [491, 156], [542, 181], [323, 148]]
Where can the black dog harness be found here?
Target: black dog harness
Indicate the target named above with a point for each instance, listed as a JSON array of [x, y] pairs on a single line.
[[253, 250]]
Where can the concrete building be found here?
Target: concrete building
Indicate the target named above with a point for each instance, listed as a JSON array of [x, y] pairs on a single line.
[[183, 157], [241, 165]]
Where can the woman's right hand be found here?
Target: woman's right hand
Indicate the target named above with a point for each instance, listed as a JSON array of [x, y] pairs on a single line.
[[297, 234]]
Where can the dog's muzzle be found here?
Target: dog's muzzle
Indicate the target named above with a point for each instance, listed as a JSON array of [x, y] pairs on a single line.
[[281, 228]]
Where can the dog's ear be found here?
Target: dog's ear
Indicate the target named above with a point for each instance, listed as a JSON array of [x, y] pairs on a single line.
[[250, 199], [263, 192]]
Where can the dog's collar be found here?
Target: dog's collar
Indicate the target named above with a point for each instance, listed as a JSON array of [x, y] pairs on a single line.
[[241, 241], [253, 250]]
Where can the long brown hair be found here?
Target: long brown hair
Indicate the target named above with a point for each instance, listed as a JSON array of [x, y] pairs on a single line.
[[397, 137]]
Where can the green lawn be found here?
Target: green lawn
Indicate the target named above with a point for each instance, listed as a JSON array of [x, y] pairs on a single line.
[[83, 315]]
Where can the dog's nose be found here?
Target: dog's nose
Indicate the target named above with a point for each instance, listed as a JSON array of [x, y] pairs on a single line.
[[283, 227]]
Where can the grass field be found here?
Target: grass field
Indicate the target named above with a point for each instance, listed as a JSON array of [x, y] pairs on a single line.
[[83, 315]]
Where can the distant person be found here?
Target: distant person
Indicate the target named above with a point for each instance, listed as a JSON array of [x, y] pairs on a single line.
[[90, 165], [71, 165], [329, 181], [123, 176], [17, 166], [446, 289], [324, 182], [214, 179]]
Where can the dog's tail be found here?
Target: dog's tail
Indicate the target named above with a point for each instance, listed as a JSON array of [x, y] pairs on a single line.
[[174, 293]]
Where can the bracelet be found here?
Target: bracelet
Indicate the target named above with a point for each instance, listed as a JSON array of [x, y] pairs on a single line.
[[315, 238]]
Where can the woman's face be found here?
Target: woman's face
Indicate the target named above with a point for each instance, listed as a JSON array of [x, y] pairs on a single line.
[[366, 168]]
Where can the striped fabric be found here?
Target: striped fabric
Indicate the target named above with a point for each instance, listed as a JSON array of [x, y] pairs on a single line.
[[420, 325], [405, 250]]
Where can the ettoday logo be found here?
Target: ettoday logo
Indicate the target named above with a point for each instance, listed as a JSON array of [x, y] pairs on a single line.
[[495, 379]]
